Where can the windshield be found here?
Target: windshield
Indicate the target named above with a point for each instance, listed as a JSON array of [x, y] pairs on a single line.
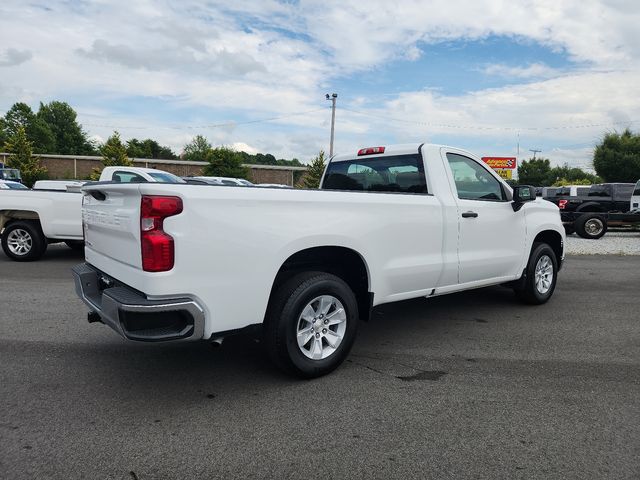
[[16, 186], [165, 177]]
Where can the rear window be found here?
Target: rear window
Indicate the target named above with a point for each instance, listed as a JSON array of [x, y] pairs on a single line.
[[399, 173], [127, 177], [600, 191]]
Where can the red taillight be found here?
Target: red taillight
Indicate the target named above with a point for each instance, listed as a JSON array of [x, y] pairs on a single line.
[[562, 204], [157, 246], [370, 151]]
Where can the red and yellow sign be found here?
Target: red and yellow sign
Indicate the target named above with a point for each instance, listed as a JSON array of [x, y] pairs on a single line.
[[504, 173], [500, 162]]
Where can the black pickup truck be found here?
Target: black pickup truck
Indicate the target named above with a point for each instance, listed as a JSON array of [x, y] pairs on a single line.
[[606, 204]]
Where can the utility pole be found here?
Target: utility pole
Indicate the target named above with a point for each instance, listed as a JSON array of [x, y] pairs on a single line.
[[534, 152], [332, 97]]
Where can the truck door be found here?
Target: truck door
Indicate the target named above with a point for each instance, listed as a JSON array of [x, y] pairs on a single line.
[[491, 240]]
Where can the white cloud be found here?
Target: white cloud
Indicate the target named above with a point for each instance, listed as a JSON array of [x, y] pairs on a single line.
[[243, 147], [269, 59], [533, 70]]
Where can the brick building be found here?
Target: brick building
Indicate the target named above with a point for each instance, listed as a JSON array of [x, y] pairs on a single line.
[[81, 166]]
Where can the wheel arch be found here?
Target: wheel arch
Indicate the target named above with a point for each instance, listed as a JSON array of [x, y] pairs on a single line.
[[555, 240], [8, 215], [590, 207], [343, 262]]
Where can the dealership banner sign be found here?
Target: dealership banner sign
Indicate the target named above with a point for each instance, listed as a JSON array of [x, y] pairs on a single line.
[[503, 166], [500, 162]]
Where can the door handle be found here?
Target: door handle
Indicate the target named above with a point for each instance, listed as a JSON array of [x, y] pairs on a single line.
[[469, 215]]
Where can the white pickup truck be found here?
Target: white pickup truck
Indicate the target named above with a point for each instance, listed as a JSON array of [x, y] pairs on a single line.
[[189, 262], [52, 212]]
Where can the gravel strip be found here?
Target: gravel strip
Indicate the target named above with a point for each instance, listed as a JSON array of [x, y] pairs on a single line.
[[613, 243]]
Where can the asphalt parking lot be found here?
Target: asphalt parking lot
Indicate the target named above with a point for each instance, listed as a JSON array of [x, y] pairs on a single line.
[[472, 385]]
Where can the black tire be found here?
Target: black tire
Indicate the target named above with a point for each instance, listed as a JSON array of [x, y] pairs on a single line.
[[569, 229], [30, 231], [526, 289], [76, 245], [591, 226], [283, 320]]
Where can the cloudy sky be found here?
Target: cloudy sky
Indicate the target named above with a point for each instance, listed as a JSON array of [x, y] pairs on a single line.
[[478, 74]]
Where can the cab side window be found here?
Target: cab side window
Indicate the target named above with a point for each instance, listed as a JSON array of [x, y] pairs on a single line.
[[473, 181], [127, 177]]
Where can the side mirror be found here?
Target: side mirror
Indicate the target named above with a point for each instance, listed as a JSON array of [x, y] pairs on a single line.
[[522, 194]]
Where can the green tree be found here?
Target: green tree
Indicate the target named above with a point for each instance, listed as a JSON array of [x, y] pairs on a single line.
[[268, 159], [197, 149], [225, 162], [114, 153], [617, 157], [21, 157], [37, 131], [315, 171], [148, 148], [535, 171], [70, 139], [3, 134]]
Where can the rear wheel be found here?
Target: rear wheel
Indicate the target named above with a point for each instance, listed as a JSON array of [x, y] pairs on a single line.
[[591, 226], [23, 241], [539, 280], [311, 324]]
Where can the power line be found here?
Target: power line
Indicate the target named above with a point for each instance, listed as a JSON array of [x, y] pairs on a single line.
[[198, 127], [487, 127], [371, 115]]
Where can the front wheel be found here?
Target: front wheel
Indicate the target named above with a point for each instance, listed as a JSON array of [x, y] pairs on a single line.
[[23, 241], [311, 324], [539, 279]]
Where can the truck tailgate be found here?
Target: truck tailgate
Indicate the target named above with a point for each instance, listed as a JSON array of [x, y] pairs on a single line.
[[111, 222]]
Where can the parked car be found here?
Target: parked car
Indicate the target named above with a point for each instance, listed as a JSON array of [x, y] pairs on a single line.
[[8, 184], [59, 185], [635, 198], [237, 182], [602, 197], [572, 190], [137, 175], [605, 205], [273, 185], [30, 221], [12, 174], [205, 181], [178, 262]]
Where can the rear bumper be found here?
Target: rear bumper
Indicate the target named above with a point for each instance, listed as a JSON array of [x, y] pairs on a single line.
[[132, 315]]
